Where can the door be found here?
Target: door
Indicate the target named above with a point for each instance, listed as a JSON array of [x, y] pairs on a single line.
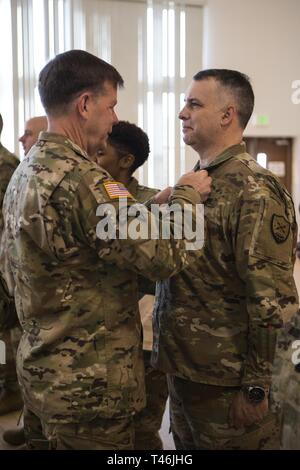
[[275, 154]]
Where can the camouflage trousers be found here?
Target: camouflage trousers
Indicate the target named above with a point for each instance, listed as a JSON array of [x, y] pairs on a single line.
[[8, 373], [98, 434], [199, 416], [147, 423], [140, 432], [290, 428]]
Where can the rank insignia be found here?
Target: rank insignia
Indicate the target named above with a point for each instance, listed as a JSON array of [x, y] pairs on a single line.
[[280, 228], [116, 190]]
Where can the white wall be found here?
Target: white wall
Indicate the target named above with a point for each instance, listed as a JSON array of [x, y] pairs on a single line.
[[6, 92], [260, 38]]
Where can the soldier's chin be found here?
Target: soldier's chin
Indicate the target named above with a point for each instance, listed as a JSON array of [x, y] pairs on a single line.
[[186, 139]]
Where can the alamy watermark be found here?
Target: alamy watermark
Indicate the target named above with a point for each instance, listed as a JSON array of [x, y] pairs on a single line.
[[2, 353], [166, 222], [296, 93]]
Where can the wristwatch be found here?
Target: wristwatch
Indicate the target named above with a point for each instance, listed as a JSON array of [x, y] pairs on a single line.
[[254, 394]]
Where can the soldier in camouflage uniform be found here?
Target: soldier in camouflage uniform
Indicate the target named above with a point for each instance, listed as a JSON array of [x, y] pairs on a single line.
[[80, 357], [286, 383], [13, 401], [32, 128], [127, 150], [298, 244], [216, 322], [10, 396]]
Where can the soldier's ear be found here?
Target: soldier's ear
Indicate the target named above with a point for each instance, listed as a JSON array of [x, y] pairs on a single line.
[[227, 115], [82, 104], [127, 161]]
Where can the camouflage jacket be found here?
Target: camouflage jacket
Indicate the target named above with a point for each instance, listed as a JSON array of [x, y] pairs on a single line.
[[8, 164], [76, 294], [141, 193], [286, 383], [144, 194], [216, 322]]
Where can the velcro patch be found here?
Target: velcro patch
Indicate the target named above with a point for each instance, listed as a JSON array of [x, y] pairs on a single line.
[[280, 228], [116, 190]]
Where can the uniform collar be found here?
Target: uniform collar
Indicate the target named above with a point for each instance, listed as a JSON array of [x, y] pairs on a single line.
[[62, 140], [230, 152]]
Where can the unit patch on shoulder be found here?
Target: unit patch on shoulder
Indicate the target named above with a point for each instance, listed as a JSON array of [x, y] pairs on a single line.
[[280, 228], [116, 190]]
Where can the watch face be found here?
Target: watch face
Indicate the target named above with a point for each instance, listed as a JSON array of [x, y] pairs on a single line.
[[256, 394]]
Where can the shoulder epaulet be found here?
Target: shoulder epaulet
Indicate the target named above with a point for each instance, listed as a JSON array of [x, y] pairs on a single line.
[[264, 175]]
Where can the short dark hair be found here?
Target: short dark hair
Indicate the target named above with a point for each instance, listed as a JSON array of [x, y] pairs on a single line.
[[1, 123], [240, 86], [128, 138], [73, 72]]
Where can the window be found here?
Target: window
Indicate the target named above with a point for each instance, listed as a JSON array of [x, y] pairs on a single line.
[[156, 45], [262, 159]]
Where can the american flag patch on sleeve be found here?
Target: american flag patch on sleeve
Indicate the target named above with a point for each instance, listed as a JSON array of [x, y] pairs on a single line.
[[116, 190]]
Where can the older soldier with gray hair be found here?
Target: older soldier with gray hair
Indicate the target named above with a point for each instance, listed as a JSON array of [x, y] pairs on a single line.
[[80, 357], [217, 321], [33, 127]]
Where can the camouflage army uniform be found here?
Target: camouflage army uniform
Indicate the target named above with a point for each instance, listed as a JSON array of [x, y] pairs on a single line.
[[215, 323], [286, 383], [8, 376], [147, 422], [80, 357]]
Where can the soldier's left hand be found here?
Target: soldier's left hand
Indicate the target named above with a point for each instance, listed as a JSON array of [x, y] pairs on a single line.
[[243, 413]]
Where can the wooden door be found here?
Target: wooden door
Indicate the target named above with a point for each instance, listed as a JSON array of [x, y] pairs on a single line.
[[277, 155]]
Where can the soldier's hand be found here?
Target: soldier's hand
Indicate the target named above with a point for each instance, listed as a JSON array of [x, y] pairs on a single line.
[[163, 196], [243, 413], [200, 181]]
